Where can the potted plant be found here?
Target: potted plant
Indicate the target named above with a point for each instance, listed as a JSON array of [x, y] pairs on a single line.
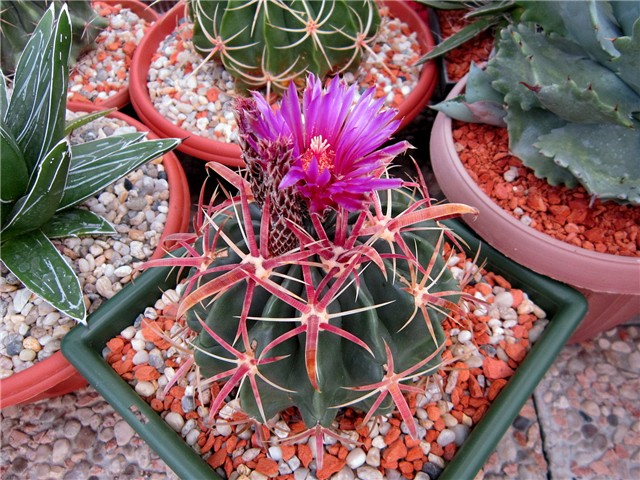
[[45, 179], [89, 51], [464, 34], [573, 122], [322, 284], [359, 29]]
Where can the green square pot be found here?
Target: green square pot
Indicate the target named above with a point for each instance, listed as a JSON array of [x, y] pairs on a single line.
[[83, 347]]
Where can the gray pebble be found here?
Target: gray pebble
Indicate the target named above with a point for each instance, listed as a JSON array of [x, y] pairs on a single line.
[[188, 403], [461, 433], [356, 458], [174, 420], [446, 437], [13, 343], [145, 389], [60, 452], [369, 473], [123, 433]]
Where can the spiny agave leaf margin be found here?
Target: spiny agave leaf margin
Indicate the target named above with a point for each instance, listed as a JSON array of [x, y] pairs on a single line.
[[36, 262], [38, 101], [97, 164]]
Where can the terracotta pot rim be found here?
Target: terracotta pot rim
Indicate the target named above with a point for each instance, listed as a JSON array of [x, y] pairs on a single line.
[[230, 153], [55, 375], [599, 272], [121, 98]]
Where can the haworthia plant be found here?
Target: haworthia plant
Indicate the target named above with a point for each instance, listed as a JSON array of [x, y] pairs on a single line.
[[272, 43], [43, 178], [567, 77]]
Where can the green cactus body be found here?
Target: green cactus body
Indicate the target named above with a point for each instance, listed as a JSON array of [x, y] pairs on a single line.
[[386, 312], [18, 18], [270, 43]]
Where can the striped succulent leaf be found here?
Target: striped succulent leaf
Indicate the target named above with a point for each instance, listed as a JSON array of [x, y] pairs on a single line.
[[43, 177], [97, 164]]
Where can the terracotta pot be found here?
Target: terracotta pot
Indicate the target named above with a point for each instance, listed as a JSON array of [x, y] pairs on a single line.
[[121, 98], [229, 153], [55, 376], [611, 283]]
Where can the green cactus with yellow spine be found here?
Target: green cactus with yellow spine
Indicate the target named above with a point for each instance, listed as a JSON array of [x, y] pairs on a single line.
[[275, 42]]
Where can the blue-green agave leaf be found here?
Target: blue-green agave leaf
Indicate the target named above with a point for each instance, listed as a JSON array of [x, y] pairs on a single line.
[[594, 28], [479, 104], [46, 189], [36, 110], [586, 105], [477, 112], [627, 15], [479, 86], [604, 158], [528, 60], [627, 65], [524, 130], [97, 164], [77, 222], [543, 13], [36, 262]]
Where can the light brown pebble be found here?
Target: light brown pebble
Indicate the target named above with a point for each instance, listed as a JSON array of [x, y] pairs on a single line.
[[27, 355], [32, 343]]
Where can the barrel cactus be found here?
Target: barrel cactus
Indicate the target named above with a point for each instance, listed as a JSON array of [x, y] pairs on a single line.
[[269, 44], [565, 82], [18, 19], [322, 283]]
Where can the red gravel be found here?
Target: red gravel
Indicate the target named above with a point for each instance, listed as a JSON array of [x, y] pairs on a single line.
[[561, 212], [475, 50]]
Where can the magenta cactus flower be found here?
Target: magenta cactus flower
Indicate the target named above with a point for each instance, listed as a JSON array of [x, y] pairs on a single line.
[[334, 142], [322, 283]]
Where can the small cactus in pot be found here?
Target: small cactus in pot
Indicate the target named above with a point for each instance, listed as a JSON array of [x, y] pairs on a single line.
[[271, 43], [322, 284], [564, 81], [18, 19]]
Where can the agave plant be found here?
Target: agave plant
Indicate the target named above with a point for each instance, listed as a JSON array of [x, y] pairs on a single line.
[[43, 179], [482, 16], [566, 83], [273, 43], [321, 284], [18, 19]]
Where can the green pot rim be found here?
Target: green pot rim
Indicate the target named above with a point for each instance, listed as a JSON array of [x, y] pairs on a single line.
[[83, 347]]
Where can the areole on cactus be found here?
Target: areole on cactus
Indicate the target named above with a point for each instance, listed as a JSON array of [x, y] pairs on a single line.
[[271, 43], [345, 306]]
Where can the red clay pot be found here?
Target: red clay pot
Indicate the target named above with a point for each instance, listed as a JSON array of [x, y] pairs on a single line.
[[611, 283], [121, 98], [229, 153], [55, 375]]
